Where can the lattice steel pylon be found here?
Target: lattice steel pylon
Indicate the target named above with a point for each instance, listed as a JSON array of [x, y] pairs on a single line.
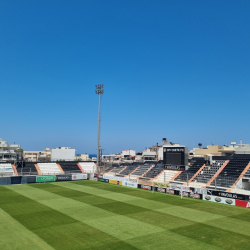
[[99, 91]]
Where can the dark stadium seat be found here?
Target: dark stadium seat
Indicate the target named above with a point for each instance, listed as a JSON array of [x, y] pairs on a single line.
[[130, 168], [28, 168], [232, 170], [208, 172], [143, 168], [155, 170], [195, 164], [69, 166]]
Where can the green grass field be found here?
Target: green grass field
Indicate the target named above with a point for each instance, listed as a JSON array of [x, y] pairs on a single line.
[[94, 215]]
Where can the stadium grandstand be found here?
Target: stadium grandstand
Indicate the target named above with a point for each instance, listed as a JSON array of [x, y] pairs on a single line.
[[46, 168], [220, 172]]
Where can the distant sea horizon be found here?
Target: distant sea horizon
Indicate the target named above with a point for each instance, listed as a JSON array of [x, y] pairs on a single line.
[[92, 155]]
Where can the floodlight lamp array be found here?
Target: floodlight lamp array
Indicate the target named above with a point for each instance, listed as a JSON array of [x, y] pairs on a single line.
[[99, 89]]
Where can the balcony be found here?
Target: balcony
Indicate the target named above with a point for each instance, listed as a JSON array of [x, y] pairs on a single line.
[[7, 152], [7, 159]]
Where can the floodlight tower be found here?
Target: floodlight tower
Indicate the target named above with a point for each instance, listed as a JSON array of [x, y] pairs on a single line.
[[99, 91]]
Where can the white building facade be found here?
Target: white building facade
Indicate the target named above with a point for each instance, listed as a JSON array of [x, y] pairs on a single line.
[[63, 154], [128, 152], [10, 152]]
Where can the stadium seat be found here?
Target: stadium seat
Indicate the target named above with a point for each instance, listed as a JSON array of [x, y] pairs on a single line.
[[6, 170]]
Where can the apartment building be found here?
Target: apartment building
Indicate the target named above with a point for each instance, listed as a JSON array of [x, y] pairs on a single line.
[[36, 156], [10, 152]]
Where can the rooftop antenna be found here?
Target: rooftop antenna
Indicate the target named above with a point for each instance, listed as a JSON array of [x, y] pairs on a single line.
[[99, 91]]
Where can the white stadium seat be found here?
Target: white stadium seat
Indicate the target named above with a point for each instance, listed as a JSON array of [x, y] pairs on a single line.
[[6, 169], [169, 174], [49, 168], [88, 167]]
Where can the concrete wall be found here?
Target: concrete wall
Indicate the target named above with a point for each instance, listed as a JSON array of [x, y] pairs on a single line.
[[211, 149]]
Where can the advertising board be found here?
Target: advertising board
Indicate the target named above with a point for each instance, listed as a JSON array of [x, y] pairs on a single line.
[[179, 186], [116, 178], [64, 177], [161, 185], [195, 196], [112, 181], [219, 199], [162, 190], [145, 182], [115, 182], [177, 192], [198, 190], [45, 178], [242, 203], [133, 180], [171, 191], [79, 177], [227, 195], [185, 194], [179, 168], [130, 184], [103, 180], [147, 187], [190, 194]]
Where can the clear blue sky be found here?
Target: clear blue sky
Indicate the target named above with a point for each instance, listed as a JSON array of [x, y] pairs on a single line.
[[174, 69]]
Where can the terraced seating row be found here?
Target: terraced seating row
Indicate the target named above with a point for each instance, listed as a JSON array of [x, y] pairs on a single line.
[[166, 175], [88, 167], [49, 168], [247, 174], [6, 169], [155, 170], [130, 168], [208, 172], [118, 169], [109, 167], [144, 168], [195, 165], [26, 168], [232, 171], [69, 167]]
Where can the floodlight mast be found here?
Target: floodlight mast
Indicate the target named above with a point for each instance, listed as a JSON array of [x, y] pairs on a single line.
[[99, 91]]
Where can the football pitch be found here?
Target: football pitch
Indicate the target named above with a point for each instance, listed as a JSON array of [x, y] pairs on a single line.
[[95, 215]]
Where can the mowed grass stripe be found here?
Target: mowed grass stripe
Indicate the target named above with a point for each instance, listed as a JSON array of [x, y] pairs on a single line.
[[58, 230], [181, 216], [120, 208], [117, 225], [165, 221], [215, 236], [213, 227], [13, 235], [238, 215], [169, 240], [172, 199], [169, 222], [178, 211]]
